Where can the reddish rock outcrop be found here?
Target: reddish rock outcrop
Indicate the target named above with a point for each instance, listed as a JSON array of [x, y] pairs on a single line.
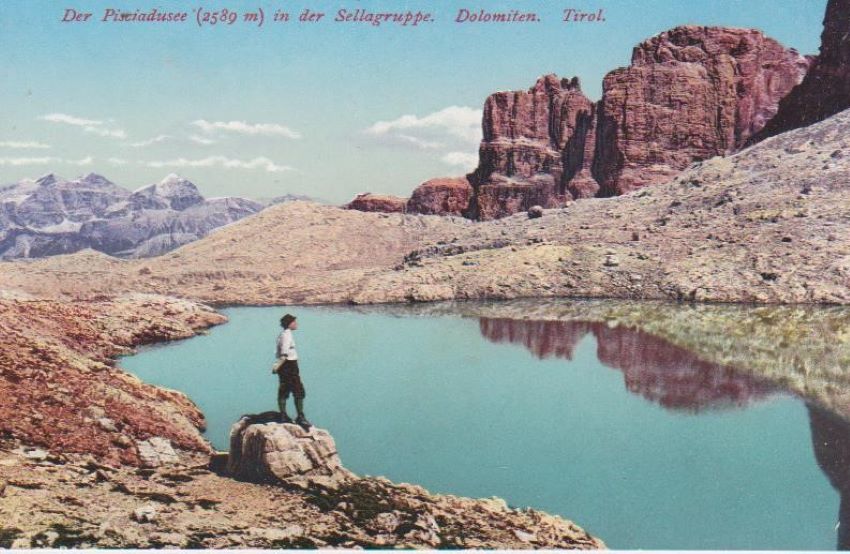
[[537, 145], [63, 392], [826, 89], [690, 94], [368, 202], [442, 196]]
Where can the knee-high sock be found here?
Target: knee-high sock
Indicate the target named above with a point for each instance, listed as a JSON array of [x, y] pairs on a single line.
[[281, 400], [299, 406]]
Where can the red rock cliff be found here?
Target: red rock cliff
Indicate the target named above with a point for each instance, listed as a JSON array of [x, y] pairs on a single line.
[[535, 149], [442, 196], [690, 93], [368, 202], [826, 89]]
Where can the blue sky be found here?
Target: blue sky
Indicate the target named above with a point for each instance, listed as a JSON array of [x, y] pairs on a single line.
[[325, 109]]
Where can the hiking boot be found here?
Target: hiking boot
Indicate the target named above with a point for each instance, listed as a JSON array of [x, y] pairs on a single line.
[[285, 418], [302, 421]]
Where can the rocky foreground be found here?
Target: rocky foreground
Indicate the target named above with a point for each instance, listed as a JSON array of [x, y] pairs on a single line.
[[72, 501], [92, 457], [64, 392], [767, 225]]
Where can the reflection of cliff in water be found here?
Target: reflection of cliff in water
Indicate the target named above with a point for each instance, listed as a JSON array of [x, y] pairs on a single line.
[[652, 367], [831, 442], [677, 379], [801, 349]]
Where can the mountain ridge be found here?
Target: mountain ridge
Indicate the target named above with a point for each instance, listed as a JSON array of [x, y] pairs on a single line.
[[52, 215]]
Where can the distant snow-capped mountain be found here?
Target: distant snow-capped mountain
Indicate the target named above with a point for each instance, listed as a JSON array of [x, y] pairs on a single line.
[[52, 215]]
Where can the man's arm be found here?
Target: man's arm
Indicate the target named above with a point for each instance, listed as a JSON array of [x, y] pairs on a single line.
[[279, 346], [279, 353], [285, 344]]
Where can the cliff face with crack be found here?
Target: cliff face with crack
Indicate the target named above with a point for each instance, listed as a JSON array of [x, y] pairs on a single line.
[[536, 149], [690, 93], [826, 89]]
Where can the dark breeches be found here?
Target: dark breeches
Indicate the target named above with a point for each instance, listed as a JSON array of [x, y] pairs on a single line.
[[290, 381]]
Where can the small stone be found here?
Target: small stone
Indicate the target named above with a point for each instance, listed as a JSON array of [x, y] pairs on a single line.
[[170, 539], [107, 425], [496, 504], [21, 543], [525, 536], [47, 538], [387, 521], [535, 211], [36, 454], [146, 514]]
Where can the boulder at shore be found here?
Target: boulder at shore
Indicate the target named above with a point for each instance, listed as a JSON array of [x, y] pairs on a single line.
[[263, 450], [389, 514]]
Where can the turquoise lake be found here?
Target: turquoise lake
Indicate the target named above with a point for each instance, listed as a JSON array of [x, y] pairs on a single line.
[[641, 443]]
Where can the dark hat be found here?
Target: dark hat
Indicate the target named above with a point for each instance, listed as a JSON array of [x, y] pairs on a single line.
[[286, 320]]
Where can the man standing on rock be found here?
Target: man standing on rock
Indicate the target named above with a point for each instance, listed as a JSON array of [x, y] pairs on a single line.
[[287, 371]]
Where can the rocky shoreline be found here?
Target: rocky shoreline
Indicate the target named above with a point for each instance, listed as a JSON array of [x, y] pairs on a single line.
[[70, 501], [70, 397], [92, 457]]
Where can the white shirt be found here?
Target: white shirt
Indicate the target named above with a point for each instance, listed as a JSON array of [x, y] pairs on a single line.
[[286, 345]]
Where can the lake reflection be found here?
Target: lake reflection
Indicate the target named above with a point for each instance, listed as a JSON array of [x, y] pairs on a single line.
[[652, 367], [677, 379], [730, 433]]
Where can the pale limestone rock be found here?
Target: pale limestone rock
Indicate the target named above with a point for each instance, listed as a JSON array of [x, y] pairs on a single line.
[[156, 452], [266, 451], [273, 534], [36, 454], [146, 514]]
